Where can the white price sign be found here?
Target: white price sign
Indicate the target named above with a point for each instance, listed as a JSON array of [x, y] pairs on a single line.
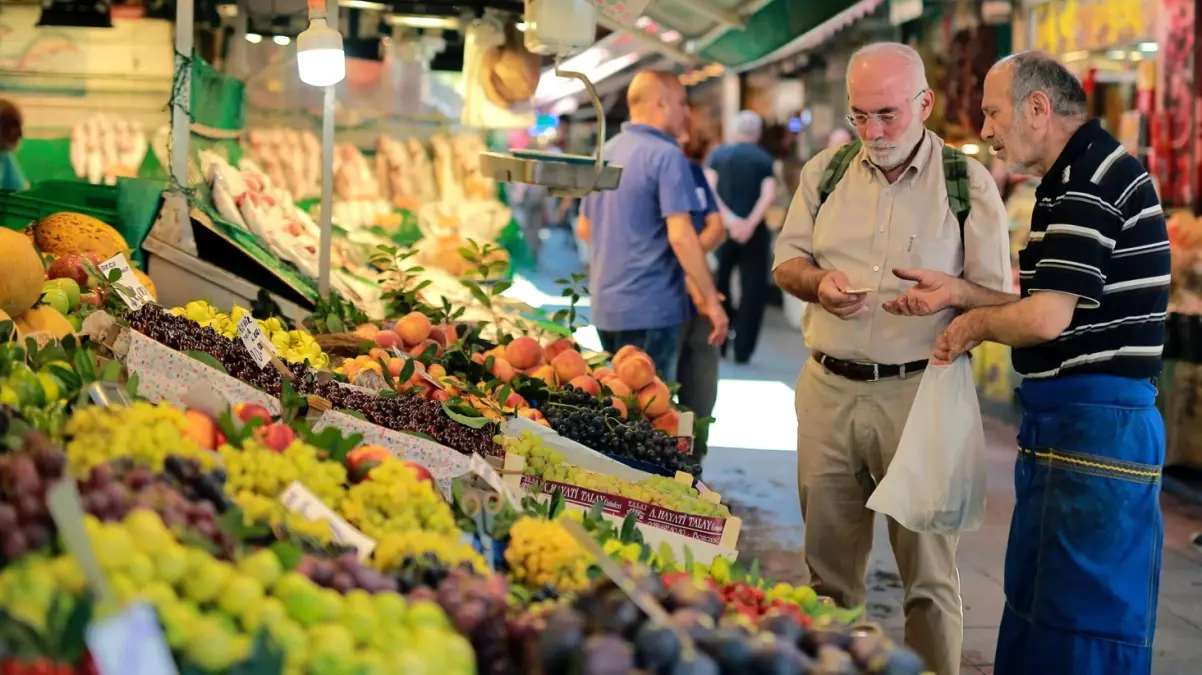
[[130, 643], [480, 466], [255, 342], [299, 500], [132, 291]]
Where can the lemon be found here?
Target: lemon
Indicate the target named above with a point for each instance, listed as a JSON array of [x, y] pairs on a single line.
[[49, 387]]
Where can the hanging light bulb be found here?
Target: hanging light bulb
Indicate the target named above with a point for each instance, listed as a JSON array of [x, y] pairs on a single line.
[[319, 55]]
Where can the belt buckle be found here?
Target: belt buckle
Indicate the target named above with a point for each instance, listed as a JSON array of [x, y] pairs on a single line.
[[876, 372]]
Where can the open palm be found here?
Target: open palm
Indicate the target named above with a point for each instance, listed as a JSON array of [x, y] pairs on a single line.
[[933, 292]]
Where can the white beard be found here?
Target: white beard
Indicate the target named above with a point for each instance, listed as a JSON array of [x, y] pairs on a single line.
[[887, 159]]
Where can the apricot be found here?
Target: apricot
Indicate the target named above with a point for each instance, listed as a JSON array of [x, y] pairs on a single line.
[[587, 384], [546, 374], [617, 387], [668, 422], [376, 354], [395, 366], [636, 371], [569, 365], [523, 353], [421, 347], [654, 399], [367, 331], [387, 339], [625, 351], [479, 358], [557, 347], [439, 335], [413, 328], [603, 373], [202, 430], [531, 413], [620, 405], [502, 370], [515, 400], [436, 370]]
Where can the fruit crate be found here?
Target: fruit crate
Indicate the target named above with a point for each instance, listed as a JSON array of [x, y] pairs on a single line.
[[19, 209]]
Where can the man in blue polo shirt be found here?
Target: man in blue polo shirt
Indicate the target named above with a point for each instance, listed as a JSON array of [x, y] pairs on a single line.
[[645, 253], [1083, 559]]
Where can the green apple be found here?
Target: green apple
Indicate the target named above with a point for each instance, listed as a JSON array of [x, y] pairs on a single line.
[[57, 298], [68, 286]]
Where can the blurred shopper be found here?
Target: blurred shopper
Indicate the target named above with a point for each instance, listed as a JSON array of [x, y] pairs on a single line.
[[895, 196], [641, 234], [699, 362], [1083, 560], [743, 178], [11, 177], [563, 209], [530, 206]]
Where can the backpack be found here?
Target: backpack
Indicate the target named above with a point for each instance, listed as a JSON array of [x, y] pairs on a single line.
[[955, 175]]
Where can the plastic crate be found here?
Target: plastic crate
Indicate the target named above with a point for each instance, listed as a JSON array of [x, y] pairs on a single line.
[[19, 209]]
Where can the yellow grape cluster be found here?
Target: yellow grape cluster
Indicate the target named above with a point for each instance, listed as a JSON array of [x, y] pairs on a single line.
[[627, 552], [295, 346], [144, 432], [541, 552], [257, 509], [395, 500], [392, 550], [260, 471]]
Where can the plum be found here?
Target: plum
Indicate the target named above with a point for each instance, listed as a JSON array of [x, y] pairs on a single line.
[[607, 655], [776, 657], [656, 648], [561, 641], [730, 648]]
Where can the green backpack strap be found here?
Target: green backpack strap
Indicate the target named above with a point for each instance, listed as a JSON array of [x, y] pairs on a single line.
[[955, 175], [835, 170]]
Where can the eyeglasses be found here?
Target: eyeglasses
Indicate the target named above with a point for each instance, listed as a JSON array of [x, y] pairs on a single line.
[[885, 119]]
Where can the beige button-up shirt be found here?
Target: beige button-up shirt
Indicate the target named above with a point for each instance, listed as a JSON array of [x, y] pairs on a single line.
[[868, 226]]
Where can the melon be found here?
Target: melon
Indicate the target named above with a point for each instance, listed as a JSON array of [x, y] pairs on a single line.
[[63, 233], [147, 284], [23, 275], [44, 319]]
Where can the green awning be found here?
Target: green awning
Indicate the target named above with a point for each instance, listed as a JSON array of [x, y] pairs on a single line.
[[782, 22]]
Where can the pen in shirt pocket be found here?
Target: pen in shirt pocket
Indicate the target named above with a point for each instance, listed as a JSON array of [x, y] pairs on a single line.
[[910, 244]]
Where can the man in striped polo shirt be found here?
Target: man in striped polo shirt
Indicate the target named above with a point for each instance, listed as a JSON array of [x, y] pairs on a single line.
[[1083, 560]]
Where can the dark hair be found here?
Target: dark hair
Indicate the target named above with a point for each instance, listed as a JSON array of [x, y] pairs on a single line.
[[1035, 71]]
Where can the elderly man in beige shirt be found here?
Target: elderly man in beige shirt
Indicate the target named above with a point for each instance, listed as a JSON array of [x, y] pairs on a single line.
[[895, 200]]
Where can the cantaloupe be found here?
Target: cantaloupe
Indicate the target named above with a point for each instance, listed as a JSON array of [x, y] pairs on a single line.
[[63, 233], [21, 273], [44, 320], [147, 283]]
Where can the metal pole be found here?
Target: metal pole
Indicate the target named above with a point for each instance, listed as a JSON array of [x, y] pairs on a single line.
[[327, 172], [239, 47], [181, 131]]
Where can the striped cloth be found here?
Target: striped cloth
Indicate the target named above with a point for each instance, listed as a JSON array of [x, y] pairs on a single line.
[[1098, 232]]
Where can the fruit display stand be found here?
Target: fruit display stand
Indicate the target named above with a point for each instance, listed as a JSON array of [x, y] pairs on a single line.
[[576, 454]]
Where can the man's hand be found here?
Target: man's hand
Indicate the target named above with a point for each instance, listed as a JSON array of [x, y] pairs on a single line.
[[833, 296], [695, 293], [962, 335], [717, 316], [934, 293], [741, 230]]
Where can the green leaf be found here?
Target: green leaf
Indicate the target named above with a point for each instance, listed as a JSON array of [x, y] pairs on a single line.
[[566, 293], [114, 276], [465, 420], [7, 328], [688, 560], [407, 371], [72, 632], [477, 292], [110, 372], [753, 575], [334, 324], [131, 386], [628, 527], [289, 555], [500, 287], [388, 379], [207, 359], [557, 504], [596, 513], [85, 367]]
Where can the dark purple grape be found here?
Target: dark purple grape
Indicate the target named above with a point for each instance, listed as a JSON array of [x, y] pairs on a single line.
[[139, 478], [13, 544], [100, 476], [31, 508], [37, 536], [342, 582], [95, 503], [8, 517], [50, 463]]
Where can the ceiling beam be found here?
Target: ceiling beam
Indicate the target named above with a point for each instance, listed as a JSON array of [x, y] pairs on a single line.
[[650, 41], [711, 36], [729, 18]]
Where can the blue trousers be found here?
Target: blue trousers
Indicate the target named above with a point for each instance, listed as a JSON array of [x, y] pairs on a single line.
[[661, 344], [1083, 561]]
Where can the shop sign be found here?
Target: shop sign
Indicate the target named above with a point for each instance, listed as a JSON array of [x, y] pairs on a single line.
[[901, 11], [1064, 26]]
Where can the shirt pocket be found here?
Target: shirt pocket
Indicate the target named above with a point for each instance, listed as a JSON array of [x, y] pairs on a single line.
[[941, 254]]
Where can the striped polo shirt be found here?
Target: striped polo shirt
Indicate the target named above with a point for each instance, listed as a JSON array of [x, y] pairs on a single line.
[[1098, 232]]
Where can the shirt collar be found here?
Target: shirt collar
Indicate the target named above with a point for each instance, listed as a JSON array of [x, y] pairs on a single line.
[[646, 129], [1080, 141], [917, 165]]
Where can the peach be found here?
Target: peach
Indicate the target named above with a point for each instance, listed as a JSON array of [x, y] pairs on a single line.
[[479, 358], [515, 400], [387, 339], [569, 365], [376, 354], [623, 352], [636, 371], [439, 395], [603, 373], [669, 423], [620, 405], [421, 347], [439, 335], [452, 335], [413, 328], [249, 411], [497, 352], [557, 347], [587, 384], [524, 352], [546, 374], [395, 366], [367, 331], [617, 387], [201, 429], [276, 436], [502, 370], [436, 370], [655, 399]]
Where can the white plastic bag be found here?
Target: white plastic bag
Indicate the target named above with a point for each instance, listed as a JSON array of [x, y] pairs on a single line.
[[936, 482]]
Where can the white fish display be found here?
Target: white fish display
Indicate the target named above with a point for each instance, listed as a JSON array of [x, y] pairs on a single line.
[[105, 148]]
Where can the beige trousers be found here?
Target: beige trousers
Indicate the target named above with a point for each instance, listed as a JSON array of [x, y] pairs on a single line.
[[847, 433]]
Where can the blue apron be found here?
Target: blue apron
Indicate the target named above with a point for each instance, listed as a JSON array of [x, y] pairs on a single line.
[[1083, 560]]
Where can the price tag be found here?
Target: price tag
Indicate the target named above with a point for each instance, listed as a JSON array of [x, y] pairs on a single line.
[[108, 394], [131, 290], [255, 342], [62, 500], [420, 371], [480, 466], [298, 499], [130, 643]]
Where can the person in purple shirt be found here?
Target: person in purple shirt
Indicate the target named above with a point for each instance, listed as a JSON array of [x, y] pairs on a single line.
[[645, 258]]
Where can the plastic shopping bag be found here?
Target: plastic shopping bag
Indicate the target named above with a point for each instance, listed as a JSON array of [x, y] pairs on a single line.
[[936, 482]]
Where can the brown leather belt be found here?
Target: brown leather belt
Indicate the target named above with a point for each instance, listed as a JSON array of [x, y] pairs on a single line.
[[868, 372]]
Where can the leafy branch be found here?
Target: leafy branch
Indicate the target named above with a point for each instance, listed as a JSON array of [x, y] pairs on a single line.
[[402, 286], [486, 266], [573, 289]]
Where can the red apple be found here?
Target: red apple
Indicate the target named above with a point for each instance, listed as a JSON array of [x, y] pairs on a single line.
[[275, 437], [249, 411], [422, 472], [91, 298], [70, 266]]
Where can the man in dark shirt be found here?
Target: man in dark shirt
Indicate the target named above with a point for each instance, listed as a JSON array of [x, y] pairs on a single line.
[[744, 180], [1083, 561]]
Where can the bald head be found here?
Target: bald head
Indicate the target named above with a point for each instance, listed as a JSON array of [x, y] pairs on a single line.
[[891, 61], [658, 99]]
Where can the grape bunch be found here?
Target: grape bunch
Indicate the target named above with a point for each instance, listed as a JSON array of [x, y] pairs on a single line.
[[396, 500], [417, 558], [477, 607], [143, 432], [541, 552], [25, 524], [578, 415], [345, 574]]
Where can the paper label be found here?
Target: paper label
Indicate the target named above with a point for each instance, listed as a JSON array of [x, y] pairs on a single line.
[[62, 500], [134, 294], [255, 342], [483, 469], [130, 643], [298, 499]]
